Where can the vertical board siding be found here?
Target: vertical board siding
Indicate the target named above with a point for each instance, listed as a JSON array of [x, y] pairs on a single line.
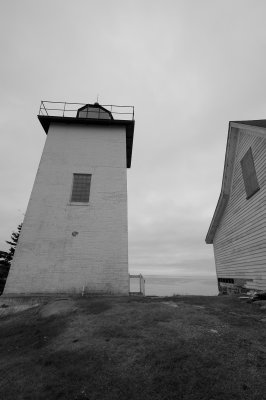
[[240, 240]]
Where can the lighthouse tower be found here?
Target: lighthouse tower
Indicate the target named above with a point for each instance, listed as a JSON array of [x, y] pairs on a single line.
[[75, 237]]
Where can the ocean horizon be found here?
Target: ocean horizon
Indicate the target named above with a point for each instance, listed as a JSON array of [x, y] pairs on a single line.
[[169, 285]]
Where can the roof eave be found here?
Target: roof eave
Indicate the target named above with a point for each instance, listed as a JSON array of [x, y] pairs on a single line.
[[219, 210], [225, 190]]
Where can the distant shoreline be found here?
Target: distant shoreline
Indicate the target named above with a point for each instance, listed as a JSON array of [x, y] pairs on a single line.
[[169, 285]]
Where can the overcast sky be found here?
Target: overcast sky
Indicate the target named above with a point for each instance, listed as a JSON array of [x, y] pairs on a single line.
[[187, 66]]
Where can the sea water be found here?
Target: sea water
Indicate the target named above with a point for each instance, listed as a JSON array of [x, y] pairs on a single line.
[[169, 285]]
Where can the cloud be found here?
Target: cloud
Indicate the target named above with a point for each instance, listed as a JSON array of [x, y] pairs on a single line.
[[188, 67]]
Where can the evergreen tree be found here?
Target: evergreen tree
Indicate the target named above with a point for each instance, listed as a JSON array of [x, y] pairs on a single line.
[[7, 256]]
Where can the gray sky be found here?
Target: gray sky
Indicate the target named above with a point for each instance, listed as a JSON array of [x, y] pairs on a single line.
[[187, 66]]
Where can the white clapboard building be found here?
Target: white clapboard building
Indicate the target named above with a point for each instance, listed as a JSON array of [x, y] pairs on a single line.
[[238, 226], [75, 235]]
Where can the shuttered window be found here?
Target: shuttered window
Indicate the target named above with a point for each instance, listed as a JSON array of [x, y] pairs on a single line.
[[249, 174], [81, 188]]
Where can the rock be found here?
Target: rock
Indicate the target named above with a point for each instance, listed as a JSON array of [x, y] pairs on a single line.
[[170, 303], [259, 296], [57, 307], [260, 302]]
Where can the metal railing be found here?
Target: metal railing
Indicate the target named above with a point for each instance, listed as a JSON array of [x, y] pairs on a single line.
[[64, 109]]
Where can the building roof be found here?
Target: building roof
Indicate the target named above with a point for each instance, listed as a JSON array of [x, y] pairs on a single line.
[[233, 131], [94, 111], [261, 123]]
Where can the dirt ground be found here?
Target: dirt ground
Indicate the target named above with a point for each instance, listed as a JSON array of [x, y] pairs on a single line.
[[183, 347]]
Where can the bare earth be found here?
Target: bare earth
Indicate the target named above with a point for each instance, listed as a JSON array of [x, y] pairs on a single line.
[[183, 347]]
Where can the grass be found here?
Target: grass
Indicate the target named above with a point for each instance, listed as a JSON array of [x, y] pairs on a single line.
[[184, 347]]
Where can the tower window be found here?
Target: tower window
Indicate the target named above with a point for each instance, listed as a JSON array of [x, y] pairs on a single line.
[[81, 188], [249, 174]]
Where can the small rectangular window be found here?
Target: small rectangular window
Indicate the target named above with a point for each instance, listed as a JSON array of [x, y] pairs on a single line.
[[226, 280], [249, 174], [81, 188]]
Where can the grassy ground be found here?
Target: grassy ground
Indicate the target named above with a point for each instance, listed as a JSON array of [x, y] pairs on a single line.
[[138, 349]]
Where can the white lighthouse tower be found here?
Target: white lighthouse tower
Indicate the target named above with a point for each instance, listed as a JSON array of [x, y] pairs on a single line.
[[75, 237]]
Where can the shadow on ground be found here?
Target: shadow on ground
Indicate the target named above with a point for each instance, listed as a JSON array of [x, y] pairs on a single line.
[[185, 347]]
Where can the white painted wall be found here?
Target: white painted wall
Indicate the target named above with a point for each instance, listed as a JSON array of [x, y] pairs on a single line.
[[240, 240], [49, 259]]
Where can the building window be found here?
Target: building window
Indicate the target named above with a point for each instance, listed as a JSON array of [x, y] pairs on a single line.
[[249, 174], [226, 280], [81, 188]]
